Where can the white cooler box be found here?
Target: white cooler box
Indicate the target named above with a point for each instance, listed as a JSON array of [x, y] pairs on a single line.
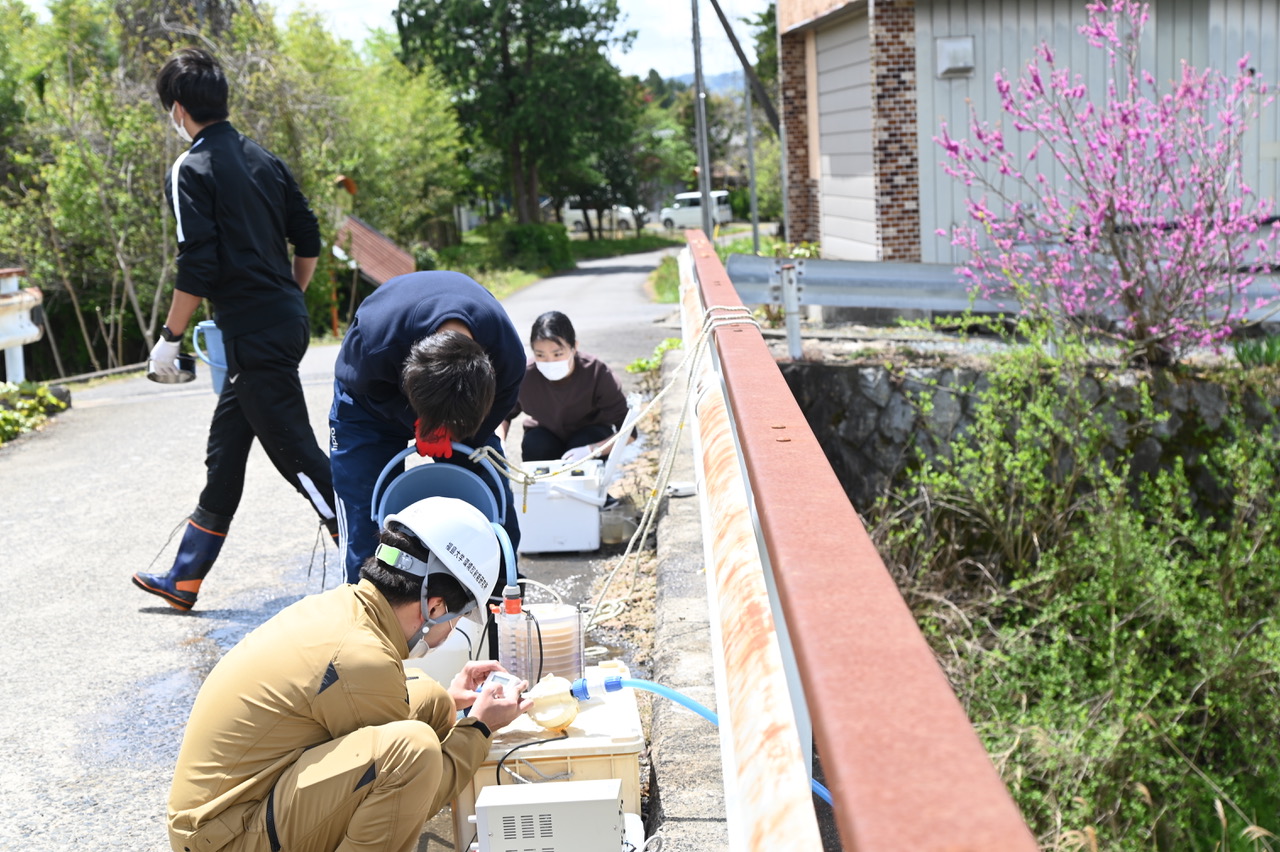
[[561, 512], [605, 741]]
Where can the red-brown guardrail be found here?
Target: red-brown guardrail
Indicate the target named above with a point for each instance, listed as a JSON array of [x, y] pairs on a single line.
[[903, 764]]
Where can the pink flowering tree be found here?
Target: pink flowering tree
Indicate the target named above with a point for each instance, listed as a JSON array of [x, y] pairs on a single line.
[[1126, 214]]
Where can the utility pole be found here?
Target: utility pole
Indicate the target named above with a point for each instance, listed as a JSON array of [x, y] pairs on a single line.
[[700, 116], [751, 168]]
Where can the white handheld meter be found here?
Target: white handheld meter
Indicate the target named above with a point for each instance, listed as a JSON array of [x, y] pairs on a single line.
[[507, 681]]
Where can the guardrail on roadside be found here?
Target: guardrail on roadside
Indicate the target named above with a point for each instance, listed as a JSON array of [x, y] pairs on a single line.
[[812, 633], [937, 287], [21, 321]]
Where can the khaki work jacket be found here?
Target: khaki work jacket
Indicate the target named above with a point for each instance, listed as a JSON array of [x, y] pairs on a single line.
[[316, 671]]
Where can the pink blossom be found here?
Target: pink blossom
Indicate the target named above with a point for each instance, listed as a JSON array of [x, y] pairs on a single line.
[[1141, 194]]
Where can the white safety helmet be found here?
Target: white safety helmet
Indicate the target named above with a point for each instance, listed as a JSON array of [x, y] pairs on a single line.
[[462, 542]]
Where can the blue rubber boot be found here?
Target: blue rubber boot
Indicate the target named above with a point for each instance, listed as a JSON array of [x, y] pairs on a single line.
[[201, 542]]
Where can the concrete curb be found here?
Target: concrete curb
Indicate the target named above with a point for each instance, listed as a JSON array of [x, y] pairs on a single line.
[[686, 807]]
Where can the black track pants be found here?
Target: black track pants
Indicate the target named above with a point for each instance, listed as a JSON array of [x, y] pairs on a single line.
[[262, 398]]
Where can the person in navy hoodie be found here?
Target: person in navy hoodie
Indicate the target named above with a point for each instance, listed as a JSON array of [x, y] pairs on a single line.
[[431, 357]]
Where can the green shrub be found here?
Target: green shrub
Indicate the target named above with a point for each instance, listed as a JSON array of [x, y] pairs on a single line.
[[1116, 646], [425, 257], [536, 247], [477, 252], [24, 407], [770, 246]]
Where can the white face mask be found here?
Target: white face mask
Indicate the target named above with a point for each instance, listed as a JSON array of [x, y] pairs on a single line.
[[420, 648], [178, 126], [553, 370]]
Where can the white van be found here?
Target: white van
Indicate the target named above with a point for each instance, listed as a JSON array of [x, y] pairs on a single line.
[[686, 212], [618, 217]]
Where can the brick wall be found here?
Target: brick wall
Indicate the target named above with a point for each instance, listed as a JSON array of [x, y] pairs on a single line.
[[897, 164], [802, 191]]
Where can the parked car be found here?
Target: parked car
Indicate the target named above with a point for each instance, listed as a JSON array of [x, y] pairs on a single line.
[[618, 217], [686, 211]]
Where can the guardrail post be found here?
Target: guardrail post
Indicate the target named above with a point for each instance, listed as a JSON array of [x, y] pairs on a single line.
[[791, 307]]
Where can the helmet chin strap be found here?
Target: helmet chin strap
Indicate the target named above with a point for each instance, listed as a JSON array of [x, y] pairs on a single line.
[[396, 558]]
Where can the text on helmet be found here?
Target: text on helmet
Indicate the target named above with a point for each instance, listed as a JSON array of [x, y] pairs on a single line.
[[457, 554]]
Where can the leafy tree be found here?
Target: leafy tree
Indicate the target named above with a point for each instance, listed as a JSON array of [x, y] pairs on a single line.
[[87, 148], [725, 129], [1141, 214], [14, 19], [663, 92], [600, 167], [664, 155], [520, 71], [769, 176], [401, 148], [82, 214]]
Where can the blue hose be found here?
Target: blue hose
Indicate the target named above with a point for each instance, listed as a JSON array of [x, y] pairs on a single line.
[[667, 692], [508, 555], [581, 690]]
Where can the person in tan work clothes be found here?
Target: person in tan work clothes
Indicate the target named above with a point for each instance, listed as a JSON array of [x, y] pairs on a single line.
[[308, 735]]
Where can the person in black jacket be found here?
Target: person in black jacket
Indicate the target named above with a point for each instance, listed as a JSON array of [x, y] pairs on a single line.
[[236, 206]]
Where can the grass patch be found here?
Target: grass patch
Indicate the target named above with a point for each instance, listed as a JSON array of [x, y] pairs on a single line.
[[770, 246], [485, 255], [503, 282], [666, 281], [591, 249], [1258, 351]]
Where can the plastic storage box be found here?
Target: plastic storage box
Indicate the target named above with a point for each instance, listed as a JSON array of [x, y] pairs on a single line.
[[605, 741], [562, 512]]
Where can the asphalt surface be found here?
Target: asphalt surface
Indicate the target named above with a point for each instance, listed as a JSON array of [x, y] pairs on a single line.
[[98, 677]]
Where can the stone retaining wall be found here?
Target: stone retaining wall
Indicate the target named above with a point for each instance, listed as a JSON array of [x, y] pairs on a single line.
[[868, 418]]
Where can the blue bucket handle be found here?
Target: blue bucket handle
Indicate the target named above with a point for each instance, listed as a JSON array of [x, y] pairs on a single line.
[[485, 465], [196, 334]]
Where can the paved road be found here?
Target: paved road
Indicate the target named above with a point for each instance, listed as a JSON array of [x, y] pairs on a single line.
[[96, 678]]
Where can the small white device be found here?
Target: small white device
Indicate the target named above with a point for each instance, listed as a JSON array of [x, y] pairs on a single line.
[[563, 816], [508, 682]]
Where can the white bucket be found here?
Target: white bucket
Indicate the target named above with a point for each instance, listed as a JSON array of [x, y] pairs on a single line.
[[216, 357]]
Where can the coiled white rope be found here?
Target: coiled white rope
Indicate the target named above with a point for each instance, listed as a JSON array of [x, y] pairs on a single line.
[[604, 610]]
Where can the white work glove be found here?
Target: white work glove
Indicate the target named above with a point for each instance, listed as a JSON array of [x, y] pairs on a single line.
[[164, 357], [576, 454]]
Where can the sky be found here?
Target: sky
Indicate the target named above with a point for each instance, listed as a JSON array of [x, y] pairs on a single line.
[[664, 40]]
